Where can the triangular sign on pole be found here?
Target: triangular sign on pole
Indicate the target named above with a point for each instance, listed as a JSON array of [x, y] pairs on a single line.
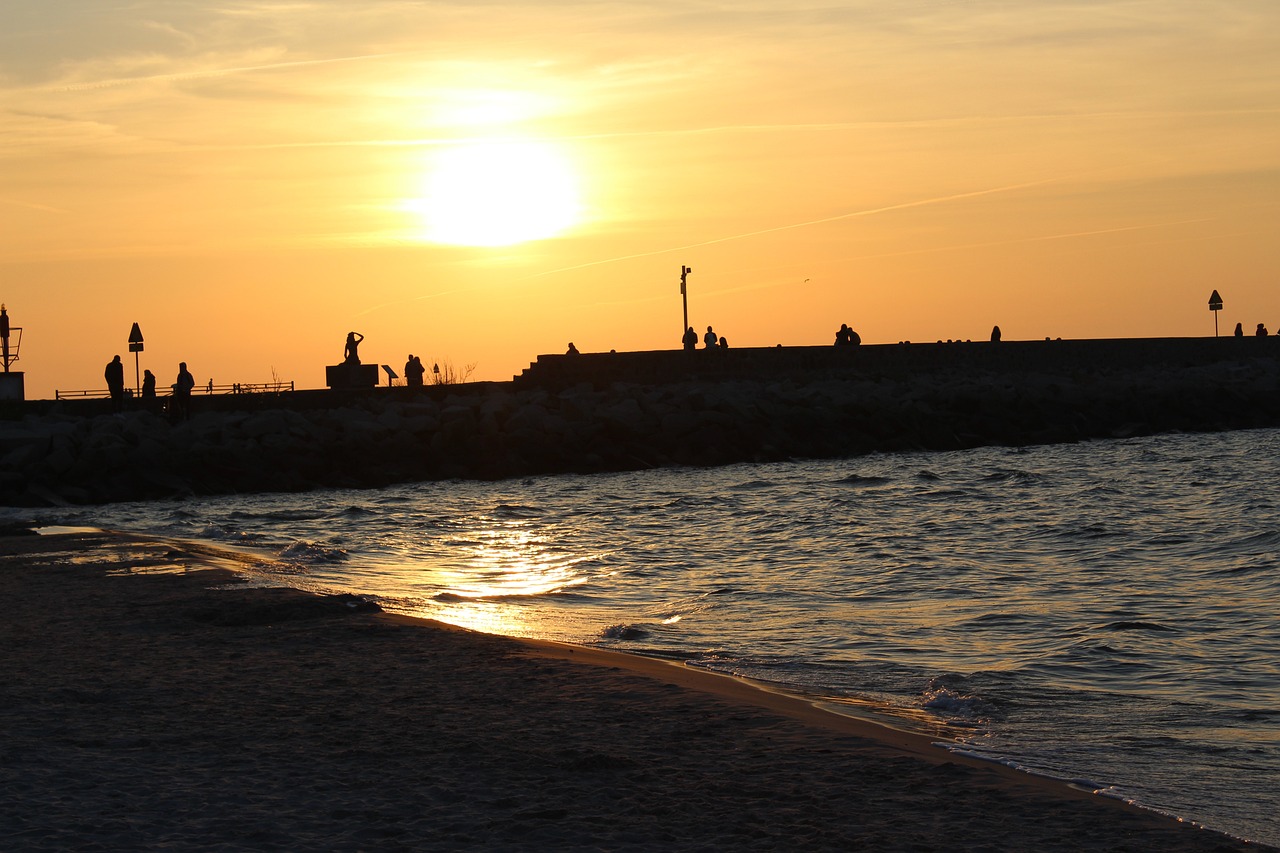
[[1215, 302], [135, 339]]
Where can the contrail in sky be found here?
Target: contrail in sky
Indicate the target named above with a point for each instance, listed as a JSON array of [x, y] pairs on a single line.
[[211, 72], [30, 205], [933, 249], [839, 216]]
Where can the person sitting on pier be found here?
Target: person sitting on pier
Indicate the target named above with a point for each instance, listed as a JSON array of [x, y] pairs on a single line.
[[572, 349], [1239, 330], [724, 342], [842, 336], [1262, 331], [709, 339]]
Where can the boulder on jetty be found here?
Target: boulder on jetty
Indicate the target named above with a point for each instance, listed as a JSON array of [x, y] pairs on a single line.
[[584, 414]]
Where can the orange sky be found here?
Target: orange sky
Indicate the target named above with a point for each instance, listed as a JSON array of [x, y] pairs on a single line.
[[250, 181]]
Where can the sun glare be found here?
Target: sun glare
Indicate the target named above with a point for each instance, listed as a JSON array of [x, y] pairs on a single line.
[[497, 192]]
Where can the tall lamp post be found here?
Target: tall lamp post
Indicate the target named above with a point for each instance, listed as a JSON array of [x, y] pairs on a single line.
[[684, 296]]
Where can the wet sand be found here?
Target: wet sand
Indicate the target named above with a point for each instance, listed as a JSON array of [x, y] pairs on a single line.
[[149, 700]]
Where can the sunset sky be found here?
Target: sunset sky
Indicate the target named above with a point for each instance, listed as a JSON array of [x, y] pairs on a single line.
[[479, 182]]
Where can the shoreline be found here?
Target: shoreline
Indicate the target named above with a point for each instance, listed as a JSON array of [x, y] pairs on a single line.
[[553, 745]]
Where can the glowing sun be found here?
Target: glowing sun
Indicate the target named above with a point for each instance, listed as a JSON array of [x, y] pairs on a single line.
[[497, 192]]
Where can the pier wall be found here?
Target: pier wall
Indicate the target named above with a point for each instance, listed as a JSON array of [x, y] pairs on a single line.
[[898, 361], [593, 413]]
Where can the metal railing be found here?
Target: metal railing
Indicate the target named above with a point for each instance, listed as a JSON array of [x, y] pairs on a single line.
[[208, 388]]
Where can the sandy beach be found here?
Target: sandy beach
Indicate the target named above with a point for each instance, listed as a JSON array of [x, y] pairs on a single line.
[[150, 699]]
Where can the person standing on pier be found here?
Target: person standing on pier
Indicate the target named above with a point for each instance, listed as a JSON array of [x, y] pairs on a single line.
[[114, 375], [182, 393]]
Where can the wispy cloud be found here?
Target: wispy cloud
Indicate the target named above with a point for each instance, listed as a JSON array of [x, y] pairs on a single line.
[[29, 205], [196, 74], [872, 211]]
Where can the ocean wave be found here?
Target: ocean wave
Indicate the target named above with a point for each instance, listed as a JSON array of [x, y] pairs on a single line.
[[753, 485], [279, 515], [517, 511], [1014, 475], [859, 480], [952, 700], [218, 533], [309, 552], [1127, 625], [563, 591], [623, 632]]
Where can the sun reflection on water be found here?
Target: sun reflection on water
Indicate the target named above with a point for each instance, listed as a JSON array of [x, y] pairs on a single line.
[[500, 570]]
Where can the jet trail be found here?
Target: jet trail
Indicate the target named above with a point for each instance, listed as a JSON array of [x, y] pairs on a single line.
[[792, 226]]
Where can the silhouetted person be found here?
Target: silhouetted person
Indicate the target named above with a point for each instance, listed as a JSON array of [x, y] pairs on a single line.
[[572, 349], [182, 393], [1262, 331], [351, 353], [995, 334], [690, 339], [842, 335], [854, 338], [414, 371], [709, 339], [724, 342], [1239, 330], [148, 388], [115, 382]]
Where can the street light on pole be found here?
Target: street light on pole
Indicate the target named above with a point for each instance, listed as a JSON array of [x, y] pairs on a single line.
[[684, 296]]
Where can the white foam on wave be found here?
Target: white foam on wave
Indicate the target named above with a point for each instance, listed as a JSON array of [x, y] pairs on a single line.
[[309, 552]]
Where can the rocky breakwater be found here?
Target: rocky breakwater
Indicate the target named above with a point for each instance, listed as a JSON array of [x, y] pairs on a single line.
[[502, 430]]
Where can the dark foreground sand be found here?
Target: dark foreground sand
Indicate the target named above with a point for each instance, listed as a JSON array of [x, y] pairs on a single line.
[[142, 709]]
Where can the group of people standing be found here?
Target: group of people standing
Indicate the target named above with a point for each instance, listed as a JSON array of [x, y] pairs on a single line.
[[180, 405]]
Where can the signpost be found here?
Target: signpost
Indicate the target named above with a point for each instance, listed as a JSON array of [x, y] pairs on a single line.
[[1215, 305], [135, 347]]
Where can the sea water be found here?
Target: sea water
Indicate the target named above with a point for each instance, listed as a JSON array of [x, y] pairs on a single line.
[[1103, 613]]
